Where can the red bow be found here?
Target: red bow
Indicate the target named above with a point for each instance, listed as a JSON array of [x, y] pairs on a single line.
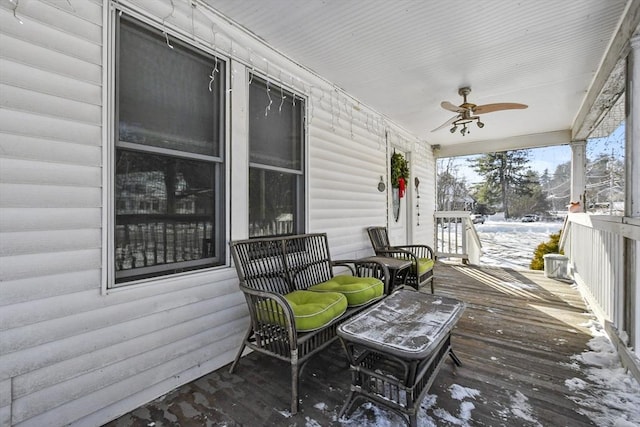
[[402, 186]]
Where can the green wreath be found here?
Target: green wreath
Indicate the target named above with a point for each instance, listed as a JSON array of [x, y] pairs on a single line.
[[399, 169]]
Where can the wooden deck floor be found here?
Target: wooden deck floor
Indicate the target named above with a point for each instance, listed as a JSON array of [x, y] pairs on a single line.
[[515, 341]]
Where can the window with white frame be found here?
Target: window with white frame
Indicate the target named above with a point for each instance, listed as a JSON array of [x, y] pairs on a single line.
[[276, 160], [169, 142]]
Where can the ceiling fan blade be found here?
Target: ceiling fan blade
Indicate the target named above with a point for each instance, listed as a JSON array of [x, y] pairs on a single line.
[[447, 123], [451, 107], [489, 108]]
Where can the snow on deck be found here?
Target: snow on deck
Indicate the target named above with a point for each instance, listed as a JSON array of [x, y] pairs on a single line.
[[532, 355]]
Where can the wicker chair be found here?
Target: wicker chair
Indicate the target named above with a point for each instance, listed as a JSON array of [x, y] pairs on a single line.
[[421, 256], [269, 268]]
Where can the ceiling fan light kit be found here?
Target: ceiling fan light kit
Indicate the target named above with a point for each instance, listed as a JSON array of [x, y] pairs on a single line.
[[466, 112]]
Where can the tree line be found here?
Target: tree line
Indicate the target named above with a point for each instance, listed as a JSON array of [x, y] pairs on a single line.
[[509, 184]]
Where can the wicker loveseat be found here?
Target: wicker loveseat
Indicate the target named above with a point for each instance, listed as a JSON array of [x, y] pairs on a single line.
[[276, 274]]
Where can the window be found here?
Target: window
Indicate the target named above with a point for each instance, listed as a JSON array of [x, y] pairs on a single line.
[[276, 165], [168, 184]]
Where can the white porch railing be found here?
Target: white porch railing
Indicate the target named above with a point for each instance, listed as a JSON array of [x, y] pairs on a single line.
[[456, 237], [595, 247]]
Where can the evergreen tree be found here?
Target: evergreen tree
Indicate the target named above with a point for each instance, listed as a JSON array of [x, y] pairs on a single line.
[[533, 201], [504, 173]]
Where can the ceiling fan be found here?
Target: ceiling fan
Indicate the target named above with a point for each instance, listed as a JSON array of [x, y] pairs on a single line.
[[466, 112]]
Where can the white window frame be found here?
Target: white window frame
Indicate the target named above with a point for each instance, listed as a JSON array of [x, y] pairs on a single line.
[[302, 206], [108, 282]]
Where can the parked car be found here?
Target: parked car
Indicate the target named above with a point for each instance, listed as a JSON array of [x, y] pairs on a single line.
[[529, 218], [477, 218]]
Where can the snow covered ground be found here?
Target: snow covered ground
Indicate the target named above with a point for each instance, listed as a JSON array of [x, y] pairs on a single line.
[[511, 244]]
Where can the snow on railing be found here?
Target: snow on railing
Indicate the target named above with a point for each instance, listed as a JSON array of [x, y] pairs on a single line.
[[456, 237], [595, 245]]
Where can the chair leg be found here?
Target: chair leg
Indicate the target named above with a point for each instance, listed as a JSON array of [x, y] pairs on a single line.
[[347, 404], [242, 347], [294, 385]]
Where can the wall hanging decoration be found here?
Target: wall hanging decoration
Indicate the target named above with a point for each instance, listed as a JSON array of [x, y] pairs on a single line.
[[399, 177], [417, 183]]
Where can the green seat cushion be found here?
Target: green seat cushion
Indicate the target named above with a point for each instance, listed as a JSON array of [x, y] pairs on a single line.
[[424, 265], [358, 290], [311, 310]]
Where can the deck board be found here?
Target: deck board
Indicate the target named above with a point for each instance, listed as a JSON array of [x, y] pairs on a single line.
[[515, 340]]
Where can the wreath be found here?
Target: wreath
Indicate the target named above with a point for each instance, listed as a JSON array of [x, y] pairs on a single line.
[[399, 172]]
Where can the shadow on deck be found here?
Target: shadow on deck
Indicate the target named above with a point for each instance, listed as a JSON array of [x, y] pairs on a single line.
[[515, 341]]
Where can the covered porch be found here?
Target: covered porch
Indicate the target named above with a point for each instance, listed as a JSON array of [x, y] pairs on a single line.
[[523, 342], [78, 348]]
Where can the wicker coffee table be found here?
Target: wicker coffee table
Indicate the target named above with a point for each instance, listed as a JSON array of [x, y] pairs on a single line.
[[397, 347]]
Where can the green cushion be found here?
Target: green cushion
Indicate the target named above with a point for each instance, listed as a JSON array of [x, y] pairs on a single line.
[[311, 310], [424, 265], [358, 290]]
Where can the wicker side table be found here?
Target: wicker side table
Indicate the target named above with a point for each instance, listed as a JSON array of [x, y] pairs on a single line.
[[397, 269]]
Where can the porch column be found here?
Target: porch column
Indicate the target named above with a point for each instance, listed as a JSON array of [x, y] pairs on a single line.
[[578, 173], [632, 193], [632, 130]]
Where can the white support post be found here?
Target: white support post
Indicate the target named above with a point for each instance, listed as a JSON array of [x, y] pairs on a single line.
[[578, 174], [632, 129], [239, 157], [632, 193]]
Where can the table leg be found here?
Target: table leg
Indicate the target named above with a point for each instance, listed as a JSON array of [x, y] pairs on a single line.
[[455, 358]]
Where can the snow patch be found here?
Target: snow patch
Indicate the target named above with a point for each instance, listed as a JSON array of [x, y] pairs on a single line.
[[460, 393], [609, 396], [465, 410], [521, 408], [574, 384], [321, 406], [285, 413], [370, 415], [310, 422], [463, 417]]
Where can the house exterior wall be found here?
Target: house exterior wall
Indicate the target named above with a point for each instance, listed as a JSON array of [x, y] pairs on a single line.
[[73, 351]]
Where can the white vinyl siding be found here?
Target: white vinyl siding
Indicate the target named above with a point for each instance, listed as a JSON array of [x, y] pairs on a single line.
[[68, 351], [71, 353]]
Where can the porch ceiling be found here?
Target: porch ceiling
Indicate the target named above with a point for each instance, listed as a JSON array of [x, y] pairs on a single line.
[[404, 57]]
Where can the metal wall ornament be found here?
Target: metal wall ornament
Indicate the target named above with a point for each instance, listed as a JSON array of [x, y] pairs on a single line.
[[417, 184]]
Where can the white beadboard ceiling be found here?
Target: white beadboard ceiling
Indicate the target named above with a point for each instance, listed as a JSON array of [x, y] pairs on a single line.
[[403, 57]]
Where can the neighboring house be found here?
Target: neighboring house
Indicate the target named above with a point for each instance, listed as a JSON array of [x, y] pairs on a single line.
[[135, 146]]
